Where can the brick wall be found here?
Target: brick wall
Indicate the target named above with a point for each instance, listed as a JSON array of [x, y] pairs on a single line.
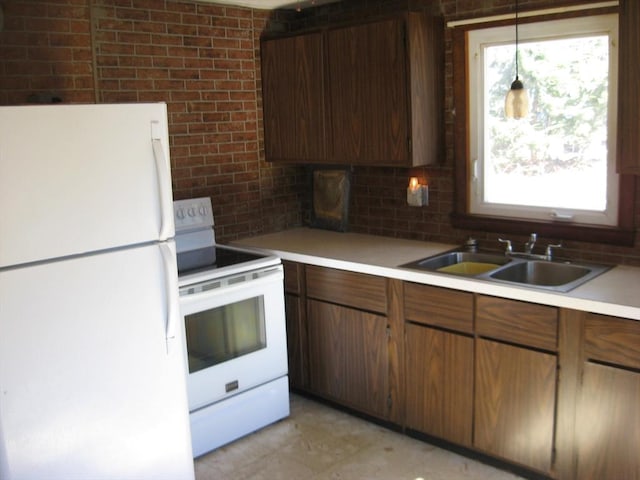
[[45, 52]]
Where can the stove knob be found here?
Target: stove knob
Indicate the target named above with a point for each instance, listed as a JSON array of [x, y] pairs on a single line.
[[180, 213]]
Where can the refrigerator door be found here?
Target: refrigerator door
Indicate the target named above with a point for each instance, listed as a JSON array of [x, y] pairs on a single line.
[[82, 178], [88, 387]]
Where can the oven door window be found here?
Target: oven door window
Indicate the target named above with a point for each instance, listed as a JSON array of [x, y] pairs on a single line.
[[224, 333]]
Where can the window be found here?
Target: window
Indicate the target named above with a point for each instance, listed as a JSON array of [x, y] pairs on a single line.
[[553, 172], [558, 163]]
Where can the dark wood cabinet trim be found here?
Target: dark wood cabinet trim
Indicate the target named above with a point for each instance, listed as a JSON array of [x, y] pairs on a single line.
[[292, 276], [570, 361], [629, 88], [397, 376]]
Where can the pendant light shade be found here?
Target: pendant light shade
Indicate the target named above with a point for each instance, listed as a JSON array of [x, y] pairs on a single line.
[[516, 104]]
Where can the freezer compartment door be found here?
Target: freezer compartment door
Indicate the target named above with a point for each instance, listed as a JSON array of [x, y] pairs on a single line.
[[88, 386], [82, 178]]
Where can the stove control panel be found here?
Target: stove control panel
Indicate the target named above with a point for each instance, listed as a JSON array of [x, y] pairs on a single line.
[[193, 214]]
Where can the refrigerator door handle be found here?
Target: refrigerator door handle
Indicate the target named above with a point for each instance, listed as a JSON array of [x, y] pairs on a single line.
[[164, 183], [171, 285]]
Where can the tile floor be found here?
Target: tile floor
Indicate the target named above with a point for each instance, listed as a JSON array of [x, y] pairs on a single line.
[[319, 443]]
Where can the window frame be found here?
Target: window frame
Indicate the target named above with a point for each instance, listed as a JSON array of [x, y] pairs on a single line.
[[621, 234]]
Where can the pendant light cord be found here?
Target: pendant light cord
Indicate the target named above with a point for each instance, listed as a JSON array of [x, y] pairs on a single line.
[[516, 39]]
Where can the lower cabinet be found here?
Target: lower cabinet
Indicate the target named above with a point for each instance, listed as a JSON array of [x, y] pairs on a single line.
[[515, 403], [608, 404], [439, 392], [439, 362], [516, 367], [348, 357], [351, 339], [554, 390], [481, 372], [608, 423]]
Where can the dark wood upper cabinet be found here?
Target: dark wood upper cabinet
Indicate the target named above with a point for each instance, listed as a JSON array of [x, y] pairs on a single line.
[[374, 97], [629, 88], [293, 98], [368, 93]]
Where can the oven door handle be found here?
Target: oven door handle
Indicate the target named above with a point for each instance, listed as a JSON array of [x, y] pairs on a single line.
[[266, 277]]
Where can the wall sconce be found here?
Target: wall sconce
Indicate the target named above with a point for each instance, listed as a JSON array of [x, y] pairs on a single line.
[[417, 195]]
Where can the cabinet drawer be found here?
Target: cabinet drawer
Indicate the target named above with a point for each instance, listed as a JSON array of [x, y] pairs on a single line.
[[359, 290], [292, 276], [519, 322], [439, 307], [613, 340]]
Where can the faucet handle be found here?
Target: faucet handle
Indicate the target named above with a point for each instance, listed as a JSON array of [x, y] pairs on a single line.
[[549, 250], [509, 248], [471, 245]]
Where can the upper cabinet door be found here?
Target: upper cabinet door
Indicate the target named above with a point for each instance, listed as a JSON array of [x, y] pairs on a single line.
[[368, 93], [629, 88], [293, 98]]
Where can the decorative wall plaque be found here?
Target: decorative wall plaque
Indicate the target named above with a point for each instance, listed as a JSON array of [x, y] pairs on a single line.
[[331, 192]]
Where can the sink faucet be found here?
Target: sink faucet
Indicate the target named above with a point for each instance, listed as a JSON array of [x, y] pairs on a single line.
[[528, 247], [508, 249], [549, 251]]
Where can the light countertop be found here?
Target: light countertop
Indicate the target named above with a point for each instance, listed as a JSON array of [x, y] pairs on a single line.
[[613, 293]]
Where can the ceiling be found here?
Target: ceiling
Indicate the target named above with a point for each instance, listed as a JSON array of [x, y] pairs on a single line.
[[271, 4]]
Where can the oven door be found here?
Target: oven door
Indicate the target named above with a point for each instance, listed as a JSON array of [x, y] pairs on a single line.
[[235, 334]]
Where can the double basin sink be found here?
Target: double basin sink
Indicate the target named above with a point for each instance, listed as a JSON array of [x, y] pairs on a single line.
[[545, 274]]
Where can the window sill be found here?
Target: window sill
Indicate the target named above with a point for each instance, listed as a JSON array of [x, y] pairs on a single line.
[[559, 230]]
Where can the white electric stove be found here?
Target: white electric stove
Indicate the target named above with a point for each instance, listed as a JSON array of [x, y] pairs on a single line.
[[232, 305]]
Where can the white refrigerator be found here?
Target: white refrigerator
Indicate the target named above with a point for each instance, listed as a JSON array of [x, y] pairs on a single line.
[[92, 377]]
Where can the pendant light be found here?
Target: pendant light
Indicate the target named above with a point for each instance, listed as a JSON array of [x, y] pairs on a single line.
[[516, 104]]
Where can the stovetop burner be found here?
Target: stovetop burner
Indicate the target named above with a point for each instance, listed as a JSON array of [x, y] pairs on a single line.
[[214, 257], [200, 259]]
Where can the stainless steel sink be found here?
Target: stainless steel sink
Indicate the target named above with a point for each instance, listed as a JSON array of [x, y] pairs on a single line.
[[469, 263], [544, 274], [552, 275]]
